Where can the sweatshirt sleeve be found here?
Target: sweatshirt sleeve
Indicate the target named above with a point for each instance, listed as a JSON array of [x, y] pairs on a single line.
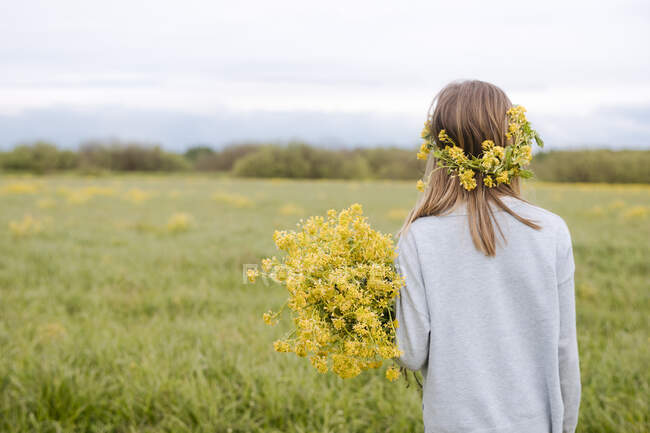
[[411, 307], [568, 341]]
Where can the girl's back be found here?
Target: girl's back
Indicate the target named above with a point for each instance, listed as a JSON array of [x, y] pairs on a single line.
[[494, 334], [486, 330]]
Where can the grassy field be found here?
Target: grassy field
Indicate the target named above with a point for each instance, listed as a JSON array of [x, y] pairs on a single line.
[[123, 308]]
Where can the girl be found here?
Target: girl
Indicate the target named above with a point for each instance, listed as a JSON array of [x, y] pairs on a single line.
[[487, 313]]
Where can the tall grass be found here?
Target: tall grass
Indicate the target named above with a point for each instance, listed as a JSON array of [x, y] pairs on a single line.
[[110, 322]]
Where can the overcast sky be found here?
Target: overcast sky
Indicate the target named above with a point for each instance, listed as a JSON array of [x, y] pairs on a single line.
[[335, 72]]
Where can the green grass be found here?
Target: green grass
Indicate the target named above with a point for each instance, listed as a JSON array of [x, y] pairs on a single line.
[[110, 322]]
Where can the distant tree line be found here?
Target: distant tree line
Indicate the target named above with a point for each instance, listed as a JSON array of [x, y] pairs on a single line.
[[300, 160]]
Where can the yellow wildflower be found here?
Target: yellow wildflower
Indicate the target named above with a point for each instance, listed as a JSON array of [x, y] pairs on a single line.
[[392, 374], [26, 227], [503, 177], [426, 131], [252, 275], [421, 185], [457, 154], [320, 363], [268, 318], [488, 181], [424, 150], [179, 222], [467, 180], [341, 282], [487, 144], [281, 346]]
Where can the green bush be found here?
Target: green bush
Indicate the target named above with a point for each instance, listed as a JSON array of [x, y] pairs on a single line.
[[207, 159], [393, 163], [298, 160], [622, 166], [39, 157], [129, 156]]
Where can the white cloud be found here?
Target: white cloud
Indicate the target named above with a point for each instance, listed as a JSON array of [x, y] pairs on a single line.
[[560, 59]]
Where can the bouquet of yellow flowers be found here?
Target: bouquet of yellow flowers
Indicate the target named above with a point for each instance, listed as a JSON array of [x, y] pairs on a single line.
[[342, 282]]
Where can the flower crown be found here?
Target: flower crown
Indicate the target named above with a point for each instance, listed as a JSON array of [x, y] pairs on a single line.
[[497, 164]]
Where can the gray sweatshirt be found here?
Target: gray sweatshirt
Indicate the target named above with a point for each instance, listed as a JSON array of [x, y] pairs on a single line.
[[495, 337]]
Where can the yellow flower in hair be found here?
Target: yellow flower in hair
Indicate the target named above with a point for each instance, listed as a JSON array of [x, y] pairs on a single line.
[[426, 132], [424, 151], [489, 160], [503, 177], [466, 178], [523, 156], [457, 154], [492, 163], [487, 144], [421, 185]]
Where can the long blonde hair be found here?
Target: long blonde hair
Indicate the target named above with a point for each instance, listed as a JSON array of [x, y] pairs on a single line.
[[470, 112]]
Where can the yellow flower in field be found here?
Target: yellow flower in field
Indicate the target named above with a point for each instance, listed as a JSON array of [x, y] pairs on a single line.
[[136, 195], [51, 331], [636, 212], [291, 209], [392, 374], [616, 204], [467, 179], [234, 200], [420, 185], [179, 222], [46, 203], [19, 188], [397, 214], [26, 227], [596, 211]]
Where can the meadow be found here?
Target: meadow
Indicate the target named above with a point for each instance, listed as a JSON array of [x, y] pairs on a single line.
[[123, 307]]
